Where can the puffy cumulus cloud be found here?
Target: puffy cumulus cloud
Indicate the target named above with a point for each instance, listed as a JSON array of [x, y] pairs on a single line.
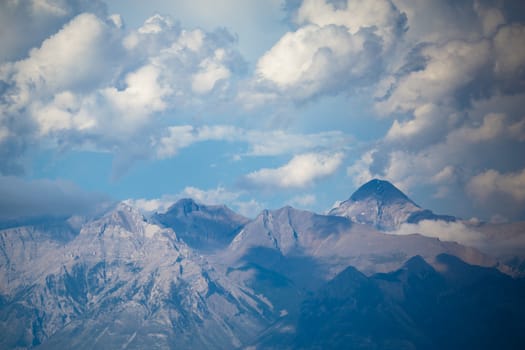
[[23, 199], [210, 72], [67, 60], [485, 185], [302, 170], [428, 125], [94, 84], [144, 94], [448, 68], [332, 50], [260, 142], [25, 24], [316, 60], [381, 17]]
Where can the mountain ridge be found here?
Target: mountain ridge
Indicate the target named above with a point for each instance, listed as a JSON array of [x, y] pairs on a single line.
[[126, 280]]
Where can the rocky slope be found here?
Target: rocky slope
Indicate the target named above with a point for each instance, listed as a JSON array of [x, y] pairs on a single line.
[[123, 282]]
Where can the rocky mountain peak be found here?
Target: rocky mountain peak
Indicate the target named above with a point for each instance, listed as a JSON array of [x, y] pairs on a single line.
[[380, 190], [123, 215], [382, 205], [201, 226], [184, 206]]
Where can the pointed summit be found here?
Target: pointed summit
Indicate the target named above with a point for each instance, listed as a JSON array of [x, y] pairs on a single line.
[[384, 206], [380, 190]]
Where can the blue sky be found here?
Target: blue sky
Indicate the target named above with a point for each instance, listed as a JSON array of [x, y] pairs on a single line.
[[260, 104]]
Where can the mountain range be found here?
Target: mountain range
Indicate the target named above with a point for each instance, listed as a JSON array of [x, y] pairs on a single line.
[[202, 276]]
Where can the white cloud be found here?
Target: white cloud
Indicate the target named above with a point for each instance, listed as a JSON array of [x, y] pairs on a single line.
[[143, 95], [509, 47], [302, 170], [497, 239], [492, 126], [69, 59], [179, 137], [429, 123], [438, 163], [491, 18], [445, 231], [93, 84], [333, 50], [310, 58], [249, 208], [380, 16], [491, 182], [25, 24], [444, 175], [154, 205], [219, 195], [436, 21], [155, 24], [517, 130], [359, 171], [260, 142], [210, 72], [277, 142], [449, 67], [303, 201]]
